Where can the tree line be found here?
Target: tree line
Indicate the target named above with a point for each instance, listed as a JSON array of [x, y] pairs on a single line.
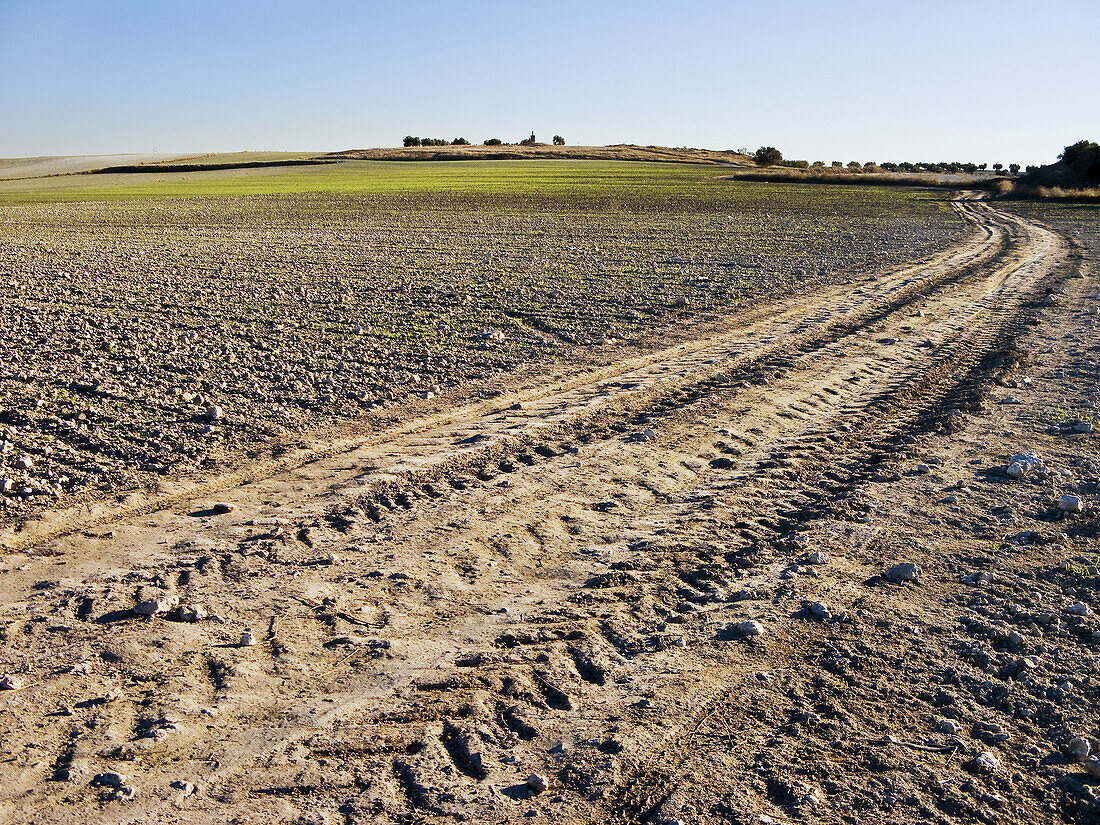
[[412, 140], [770, 156]]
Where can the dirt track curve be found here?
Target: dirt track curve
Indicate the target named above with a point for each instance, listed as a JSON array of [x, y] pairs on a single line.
[[547, 582]]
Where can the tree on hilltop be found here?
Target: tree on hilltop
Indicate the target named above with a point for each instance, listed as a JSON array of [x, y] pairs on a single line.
[[767, 156], [559, 140]]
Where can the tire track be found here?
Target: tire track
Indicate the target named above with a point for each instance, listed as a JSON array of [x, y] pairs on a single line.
[[428, 443], [771, 398]]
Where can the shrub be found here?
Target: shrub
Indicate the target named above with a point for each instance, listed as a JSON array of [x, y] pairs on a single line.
[[854, 164], [1014, 168], [838, 164], [767, 156], [493, 142], [460, 142], [818, 164], [559, 140], [411, 141]]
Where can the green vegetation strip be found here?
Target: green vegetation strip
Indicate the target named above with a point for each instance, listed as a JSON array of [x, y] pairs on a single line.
[[603, 181]]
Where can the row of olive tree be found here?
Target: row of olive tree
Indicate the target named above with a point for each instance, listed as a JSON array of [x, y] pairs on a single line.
[[770, 156], [411, 140]]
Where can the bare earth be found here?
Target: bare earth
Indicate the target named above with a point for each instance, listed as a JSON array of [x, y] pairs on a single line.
[[15, 168], [555, 582]]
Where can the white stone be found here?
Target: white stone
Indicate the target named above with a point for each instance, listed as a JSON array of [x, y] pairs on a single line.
[[248, 638], [1079, 749], [537, 783], [986, 762], [11, 683], [979, 577], [750, 628], [192, 613], [110, 779], [160, 604], [123, 793], [1071, 504], [906, 571], [1029, 462]]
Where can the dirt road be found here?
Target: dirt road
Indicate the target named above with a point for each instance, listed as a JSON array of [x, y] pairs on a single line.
[[556, 582]]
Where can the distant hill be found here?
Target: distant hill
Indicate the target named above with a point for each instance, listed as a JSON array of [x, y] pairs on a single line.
[[542, 151]]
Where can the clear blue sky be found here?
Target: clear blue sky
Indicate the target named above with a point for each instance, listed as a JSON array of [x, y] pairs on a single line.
[[981, 80]]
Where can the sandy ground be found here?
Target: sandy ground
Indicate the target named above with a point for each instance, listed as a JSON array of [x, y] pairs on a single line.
[[661, 591]]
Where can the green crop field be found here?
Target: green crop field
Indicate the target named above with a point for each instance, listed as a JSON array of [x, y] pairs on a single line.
[[633, 183]]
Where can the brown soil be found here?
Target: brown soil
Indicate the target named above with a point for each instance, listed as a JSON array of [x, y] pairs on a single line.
[[552, 582]]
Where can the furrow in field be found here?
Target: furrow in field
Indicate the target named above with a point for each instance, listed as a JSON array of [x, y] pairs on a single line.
[[793, 401]]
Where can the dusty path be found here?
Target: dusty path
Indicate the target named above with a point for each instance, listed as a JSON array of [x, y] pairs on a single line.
[[548, 582]]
